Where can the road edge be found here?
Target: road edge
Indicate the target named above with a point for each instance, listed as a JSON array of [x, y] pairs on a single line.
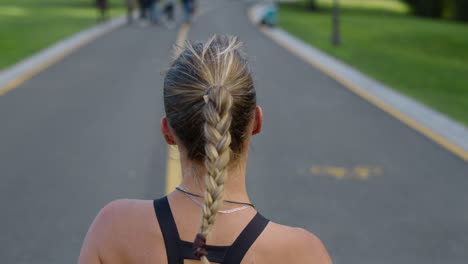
[[441, 129], [23, 70]]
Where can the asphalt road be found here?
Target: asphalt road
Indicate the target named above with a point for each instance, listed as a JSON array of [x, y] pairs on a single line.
[[85, 131]]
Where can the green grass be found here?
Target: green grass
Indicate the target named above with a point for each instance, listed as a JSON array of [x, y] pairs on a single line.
[[27, 26], [424, 59], [394, 6]]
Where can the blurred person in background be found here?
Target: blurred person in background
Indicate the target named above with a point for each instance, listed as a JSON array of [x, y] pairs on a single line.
[[146, 11], [131, 4], [144, 5], [102, 5], [188, 8], [153, 11], [169, 12], [270, 14]]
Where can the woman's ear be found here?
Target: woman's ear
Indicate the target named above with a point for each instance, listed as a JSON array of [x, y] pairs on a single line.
[[166, 131], [258, 120]]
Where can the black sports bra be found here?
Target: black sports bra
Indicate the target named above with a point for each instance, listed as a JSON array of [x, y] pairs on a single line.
[[177, 250]]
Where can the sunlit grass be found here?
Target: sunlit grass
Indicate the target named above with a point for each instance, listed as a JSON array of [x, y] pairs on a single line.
[[13, 11], [27, 26], [396, 6], [425, 59]]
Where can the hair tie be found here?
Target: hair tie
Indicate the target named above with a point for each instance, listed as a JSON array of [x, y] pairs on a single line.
[[205, 97], [207, 91], [199, 246]]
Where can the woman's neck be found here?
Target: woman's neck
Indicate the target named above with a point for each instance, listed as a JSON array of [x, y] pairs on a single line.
[[234, 187]]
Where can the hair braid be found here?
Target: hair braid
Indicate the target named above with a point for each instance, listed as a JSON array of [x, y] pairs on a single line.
[[217, 113], [209, 100]]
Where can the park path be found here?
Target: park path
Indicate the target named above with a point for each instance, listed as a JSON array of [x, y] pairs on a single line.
[[85, 131]]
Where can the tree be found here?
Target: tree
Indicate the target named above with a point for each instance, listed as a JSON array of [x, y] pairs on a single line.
[[461, 10], [311, 4], [427, 8]]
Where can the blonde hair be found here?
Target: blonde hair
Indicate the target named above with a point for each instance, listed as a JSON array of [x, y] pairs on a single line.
[[209, 100]]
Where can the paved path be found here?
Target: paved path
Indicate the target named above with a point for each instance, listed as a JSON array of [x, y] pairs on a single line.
[[85, 131]]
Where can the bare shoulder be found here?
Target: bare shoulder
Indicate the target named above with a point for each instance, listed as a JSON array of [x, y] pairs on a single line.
[[125, 209], [291, 245], [124, 217], [121, 224]]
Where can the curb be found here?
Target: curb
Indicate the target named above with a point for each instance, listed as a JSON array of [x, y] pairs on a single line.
[[439, 128], [15, 75]]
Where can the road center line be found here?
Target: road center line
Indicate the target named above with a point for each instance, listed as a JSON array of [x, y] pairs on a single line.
[[173, 169]]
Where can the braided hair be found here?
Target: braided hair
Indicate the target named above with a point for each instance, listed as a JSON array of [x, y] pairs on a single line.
[[209, 99]]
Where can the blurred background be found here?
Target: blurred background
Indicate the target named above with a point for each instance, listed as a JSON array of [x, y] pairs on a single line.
[[415, 46], [81, 98]]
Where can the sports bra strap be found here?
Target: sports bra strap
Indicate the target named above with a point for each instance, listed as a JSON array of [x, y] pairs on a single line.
[[245, 240], [177, 250], [168, 229]]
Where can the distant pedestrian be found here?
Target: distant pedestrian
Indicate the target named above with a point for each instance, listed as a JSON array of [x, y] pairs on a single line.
[[102, 5], [144, 6], [153, 11], [188, 7], [131, 4], [269, 15], [169, 10]]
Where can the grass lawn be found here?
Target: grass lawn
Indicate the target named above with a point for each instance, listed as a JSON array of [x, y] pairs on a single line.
[[424, 59], [27, 26]]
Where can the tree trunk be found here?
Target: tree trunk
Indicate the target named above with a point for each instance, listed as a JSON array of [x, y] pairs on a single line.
[[311, 5], [336, 38]]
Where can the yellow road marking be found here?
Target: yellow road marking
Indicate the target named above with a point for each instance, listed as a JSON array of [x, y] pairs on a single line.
[[356, 172], [173, 170], [458, 151], [29, 74]]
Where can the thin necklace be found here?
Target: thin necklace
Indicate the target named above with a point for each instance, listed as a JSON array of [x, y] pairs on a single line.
[[181, 189], [192, 197]]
